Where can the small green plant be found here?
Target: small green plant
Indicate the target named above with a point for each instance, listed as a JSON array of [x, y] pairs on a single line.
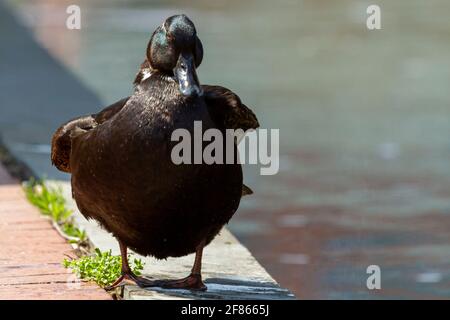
[[70, 229], [102, 267], [51, 202]]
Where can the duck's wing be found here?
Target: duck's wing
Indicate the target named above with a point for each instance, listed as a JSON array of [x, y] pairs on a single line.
[[61, 140], [110, 111], [228, 112]]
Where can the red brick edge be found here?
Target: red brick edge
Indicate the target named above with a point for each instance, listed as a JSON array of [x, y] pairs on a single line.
[[31, 252]]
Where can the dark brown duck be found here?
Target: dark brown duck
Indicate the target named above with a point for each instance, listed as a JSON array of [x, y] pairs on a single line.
[[120, 158]]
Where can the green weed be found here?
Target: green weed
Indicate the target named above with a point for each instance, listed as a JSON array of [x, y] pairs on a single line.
[[51, 202], [102, 267]]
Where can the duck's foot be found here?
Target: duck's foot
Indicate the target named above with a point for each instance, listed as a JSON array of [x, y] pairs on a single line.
[[130, 277], [191, 282]]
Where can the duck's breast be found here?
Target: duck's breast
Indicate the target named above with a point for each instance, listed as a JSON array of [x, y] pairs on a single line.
[[123, 174]]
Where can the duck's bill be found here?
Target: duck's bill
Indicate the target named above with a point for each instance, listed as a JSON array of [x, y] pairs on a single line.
[[186, 76]]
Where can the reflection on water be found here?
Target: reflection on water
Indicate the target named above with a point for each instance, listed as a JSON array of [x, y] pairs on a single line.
[[364, 122]]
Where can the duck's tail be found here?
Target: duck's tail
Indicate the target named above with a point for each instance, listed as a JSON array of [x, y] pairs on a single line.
[[246, 190], [62, 140]]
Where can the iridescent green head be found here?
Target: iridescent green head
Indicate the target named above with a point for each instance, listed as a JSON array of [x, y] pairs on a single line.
[[175, 49]]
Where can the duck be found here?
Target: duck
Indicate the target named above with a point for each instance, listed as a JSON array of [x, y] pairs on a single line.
[[122, 174]]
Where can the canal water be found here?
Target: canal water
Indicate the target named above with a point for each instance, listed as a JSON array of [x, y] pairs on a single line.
[[364, 120]]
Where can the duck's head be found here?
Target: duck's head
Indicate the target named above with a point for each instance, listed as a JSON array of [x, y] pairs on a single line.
[[174, 49]]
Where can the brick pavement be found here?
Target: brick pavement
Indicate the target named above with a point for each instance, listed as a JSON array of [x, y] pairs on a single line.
[[31, 252]]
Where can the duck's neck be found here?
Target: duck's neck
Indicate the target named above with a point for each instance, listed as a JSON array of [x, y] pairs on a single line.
[[144, 72], [159, 86]]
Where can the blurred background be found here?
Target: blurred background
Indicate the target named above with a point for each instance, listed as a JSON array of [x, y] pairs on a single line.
[[364, 119]]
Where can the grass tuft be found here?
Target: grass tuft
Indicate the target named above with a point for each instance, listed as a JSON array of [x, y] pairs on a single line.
[[51, 203], [102, 267]]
